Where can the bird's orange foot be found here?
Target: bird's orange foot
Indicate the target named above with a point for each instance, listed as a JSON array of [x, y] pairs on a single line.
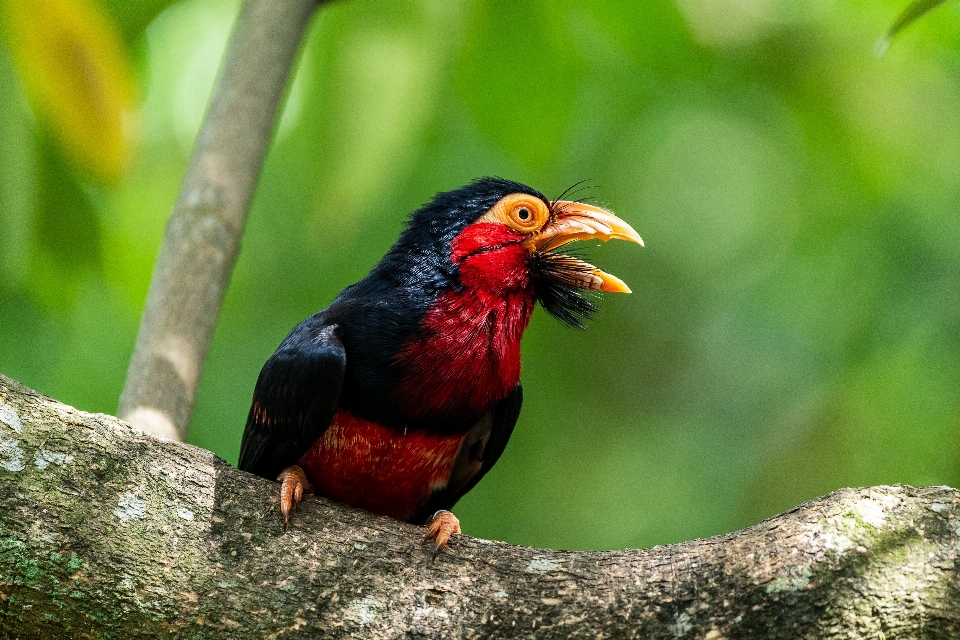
[[442, 525], [293, 484]]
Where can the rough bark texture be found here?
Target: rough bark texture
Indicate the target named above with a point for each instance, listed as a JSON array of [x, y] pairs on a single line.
[[203, 235], [108, 532]]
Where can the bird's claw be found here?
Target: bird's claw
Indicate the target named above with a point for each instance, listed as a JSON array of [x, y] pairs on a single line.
[[293, 484], [443, 524]]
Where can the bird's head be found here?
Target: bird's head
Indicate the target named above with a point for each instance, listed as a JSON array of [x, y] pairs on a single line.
[[499, 237]]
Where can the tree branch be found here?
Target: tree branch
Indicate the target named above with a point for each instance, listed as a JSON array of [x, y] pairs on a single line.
[[108, 532], [203, 235]]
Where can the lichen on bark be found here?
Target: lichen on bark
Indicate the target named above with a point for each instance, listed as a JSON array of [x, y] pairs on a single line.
[[107, 532]]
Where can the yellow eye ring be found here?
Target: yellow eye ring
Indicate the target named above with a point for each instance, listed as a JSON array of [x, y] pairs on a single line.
[[519, 211]]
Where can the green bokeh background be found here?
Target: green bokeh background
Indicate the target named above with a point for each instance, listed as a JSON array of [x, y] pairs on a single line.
[[795, 319]]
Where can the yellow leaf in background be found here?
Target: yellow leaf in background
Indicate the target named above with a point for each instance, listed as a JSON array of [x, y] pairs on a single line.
[[78, 78]]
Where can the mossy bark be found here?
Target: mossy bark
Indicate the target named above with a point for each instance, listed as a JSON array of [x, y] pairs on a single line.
[[110, 533]]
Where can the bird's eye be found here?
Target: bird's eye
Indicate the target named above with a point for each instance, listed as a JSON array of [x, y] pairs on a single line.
[[519, 211], [525, 215]]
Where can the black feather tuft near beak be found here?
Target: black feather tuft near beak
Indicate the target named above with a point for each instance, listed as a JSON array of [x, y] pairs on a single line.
[[558, 283]]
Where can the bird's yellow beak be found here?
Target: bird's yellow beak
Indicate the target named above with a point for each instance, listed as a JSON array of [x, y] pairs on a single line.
[[572, 221]]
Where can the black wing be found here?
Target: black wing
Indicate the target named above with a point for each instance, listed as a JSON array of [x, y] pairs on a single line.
[[481, 448], [295, 399]]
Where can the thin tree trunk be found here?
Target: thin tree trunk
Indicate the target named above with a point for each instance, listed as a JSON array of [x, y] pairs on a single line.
[[107, 532], [203, 235]]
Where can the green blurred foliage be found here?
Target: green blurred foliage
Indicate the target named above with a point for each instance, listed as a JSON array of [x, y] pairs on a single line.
[[910, 14], [795, 321]]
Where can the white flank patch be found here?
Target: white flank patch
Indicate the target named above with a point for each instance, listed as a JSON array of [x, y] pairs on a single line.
[[184, 513], [130, 507]]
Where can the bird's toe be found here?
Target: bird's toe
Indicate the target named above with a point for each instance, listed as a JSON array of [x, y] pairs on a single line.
[[442, 525], [293, 484]]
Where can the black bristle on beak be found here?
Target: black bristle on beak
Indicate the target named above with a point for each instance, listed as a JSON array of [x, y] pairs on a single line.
[[554, 281]]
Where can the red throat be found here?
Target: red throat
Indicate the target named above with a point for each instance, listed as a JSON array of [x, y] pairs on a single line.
[[468, 354]]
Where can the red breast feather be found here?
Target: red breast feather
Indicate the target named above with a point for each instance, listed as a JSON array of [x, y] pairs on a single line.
[[366, 465], [467, 356], [465, 359]]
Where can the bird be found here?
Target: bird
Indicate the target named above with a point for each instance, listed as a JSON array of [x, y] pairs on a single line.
[[399, 396]]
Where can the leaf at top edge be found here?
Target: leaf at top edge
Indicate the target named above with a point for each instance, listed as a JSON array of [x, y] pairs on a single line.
[[914, 11]]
